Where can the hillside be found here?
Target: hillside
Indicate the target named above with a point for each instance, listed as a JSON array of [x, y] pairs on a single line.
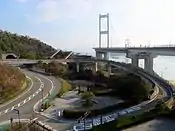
[[11, 82], [24, 46]]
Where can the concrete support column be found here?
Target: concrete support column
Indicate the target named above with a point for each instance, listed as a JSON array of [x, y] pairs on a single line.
[[99, 55], [149, 64], [106, 56], [135, 61], [96, 66], [109, 69], [78, 66]]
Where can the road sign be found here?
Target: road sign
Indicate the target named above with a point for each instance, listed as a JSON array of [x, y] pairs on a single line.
[[16, 111]]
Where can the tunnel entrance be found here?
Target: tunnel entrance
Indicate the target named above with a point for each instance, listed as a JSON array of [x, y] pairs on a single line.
[[11, 57]]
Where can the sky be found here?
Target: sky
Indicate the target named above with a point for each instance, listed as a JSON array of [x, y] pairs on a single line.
[[73, 24]]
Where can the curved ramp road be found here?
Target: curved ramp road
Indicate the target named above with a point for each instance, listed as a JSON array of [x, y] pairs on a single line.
[[89, 123], [26, 101]]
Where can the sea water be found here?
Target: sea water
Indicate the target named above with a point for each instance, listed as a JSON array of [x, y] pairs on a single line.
[[162, 65]]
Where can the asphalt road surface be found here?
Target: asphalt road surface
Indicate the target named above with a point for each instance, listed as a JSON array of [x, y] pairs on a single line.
[[26, 102]]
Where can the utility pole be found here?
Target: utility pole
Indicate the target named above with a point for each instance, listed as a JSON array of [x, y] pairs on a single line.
[[104, 32]]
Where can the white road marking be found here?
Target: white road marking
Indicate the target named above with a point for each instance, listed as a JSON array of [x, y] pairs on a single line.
[[29, 98], [12, 108], [6, 110], [34, 95], [19, 104], [24, 101], [52, 87]]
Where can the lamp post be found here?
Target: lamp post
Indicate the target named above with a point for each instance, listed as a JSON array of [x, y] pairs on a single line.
[[11, 122]]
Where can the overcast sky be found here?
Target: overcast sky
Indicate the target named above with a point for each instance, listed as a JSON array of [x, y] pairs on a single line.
[[73, 24]]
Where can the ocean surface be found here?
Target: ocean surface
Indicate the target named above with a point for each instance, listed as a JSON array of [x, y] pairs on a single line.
[[163, 65]]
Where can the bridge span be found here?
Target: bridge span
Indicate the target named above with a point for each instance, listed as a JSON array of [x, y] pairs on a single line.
[[136, 53]]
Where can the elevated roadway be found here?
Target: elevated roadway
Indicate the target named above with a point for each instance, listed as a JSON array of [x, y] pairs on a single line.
[[165, 51], [147, 105], [136, 53]]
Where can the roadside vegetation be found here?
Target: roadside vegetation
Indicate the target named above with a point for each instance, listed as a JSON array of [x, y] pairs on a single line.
[[65, 87], [12, 82], [24, 46], [87, 98]]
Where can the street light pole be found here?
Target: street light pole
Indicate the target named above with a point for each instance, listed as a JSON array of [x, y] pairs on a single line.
[[11, 122], [19, 118]]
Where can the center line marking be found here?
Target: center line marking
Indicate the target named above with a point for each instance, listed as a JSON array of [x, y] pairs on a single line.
[[6, 110], [24, 101], [13, 108], [29, 98]]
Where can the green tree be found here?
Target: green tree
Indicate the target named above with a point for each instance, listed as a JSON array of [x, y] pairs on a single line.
[[87, 97], [24, 46]]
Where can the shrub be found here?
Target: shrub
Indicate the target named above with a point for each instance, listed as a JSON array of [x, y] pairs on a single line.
[[87, 97], [65, 87], [46, 104]]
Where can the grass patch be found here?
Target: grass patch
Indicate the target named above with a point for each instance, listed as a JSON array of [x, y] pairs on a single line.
[[65, 87]]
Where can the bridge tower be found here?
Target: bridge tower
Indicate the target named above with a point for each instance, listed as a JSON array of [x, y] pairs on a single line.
[[103, 32]]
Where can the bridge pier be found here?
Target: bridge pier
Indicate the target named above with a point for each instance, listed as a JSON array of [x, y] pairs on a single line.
[[149, 64], [106, 56], [99, 55], [148, 60], [109, 70], [78, 66], [135, 61], [96, 66], [102, 55]]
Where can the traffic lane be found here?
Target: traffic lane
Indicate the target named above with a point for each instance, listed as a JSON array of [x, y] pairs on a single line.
[[28, 107], [34, 88], [26, 110]]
